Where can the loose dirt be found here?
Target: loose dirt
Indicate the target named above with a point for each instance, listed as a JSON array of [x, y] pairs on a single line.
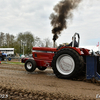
[[18, 84]]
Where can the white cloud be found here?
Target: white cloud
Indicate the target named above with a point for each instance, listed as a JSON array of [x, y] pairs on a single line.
[[33, 15]]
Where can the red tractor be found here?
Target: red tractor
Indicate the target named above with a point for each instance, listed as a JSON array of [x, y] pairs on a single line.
[[66, 62]]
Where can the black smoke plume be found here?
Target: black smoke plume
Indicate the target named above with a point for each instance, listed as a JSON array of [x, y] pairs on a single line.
[[63, 12]]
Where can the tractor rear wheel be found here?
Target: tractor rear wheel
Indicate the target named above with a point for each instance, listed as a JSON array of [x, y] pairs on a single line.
[[41, 68], [30, 65], [67, 63]]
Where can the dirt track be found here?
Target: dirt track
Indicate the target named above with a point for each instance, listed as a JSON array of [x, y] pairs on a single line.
[[18, 84]]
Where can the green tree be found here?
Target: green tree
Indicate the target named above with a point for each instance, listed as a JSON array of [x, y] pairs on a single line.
[[25, 39]]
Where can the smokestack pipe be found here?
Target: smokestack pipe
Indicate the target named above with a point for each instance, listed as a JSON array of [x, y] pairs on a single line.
[[54, 44]]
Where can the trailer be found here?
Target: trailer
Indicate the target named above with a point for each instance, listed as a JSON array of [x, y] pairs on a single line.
[[66, 62]]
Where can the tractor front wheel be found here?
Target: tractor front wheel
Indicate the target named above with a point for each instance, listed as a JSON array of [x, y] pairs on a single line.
[[30, 65]]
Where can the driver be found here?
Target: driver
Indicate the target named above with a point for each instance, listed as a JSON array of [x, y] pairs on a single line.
[[75, 43]]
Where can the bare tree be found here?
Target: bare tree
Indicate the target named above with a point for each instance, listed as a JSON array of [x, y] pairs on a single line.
[[42, 43], [47, 42], [2, 36], [11, 41], [7, 38], [38, 42]]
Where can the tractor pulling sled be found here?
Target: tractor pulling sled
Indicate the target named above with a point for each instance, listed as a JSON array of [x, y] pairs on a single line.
[[66, 62]]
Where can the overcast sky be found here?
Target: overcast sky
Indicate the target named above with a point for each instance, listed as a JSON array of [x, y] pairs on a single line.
[[33, 15]]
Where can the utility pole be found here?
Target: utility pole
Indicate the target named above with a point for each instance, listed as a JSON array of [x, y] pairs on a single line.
[[23, 44]]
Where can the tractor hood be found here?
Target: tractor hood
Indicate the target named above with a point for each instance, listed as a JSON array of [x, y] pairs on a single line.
[[44, 49]]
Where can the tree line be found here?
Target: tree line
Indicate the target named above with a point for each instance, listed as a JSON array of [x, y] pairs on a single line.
[[23, 39]]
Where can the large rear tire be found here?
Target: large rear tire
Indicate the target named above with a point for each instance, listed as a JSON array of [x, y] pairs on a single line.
[[67, 63], [30, 65]]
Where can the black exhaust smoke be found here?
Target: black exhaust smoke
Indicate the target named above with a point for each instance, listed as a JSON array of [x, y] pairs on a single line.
[[63, 12]]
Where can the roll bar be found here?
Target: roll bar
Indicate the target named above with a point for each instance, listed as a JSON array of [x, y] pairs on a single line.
[[74, 39]]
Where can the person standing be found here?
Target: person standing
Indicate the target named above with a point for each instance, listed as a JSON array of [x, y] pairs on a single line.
[[0, 56]]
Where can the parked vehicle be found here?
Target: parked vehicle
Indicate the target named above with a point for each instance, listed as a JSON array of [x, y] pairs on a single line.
[[4, 56]]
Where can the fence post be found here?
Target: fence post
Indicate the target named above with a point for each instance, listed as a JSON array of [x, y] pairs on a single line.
[[6, 60]]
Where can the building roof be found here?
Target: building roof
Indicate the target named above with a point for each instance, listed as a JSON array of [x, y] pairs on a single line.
[[6, 48]]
